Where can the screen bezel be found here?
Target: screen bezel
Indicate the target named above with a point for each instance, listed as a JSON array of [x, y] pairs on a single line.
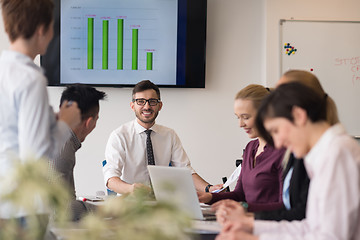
[[191, 48]]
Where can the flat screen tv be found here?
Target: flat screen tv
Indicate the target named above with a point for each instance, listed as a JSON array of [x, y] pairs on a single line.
[[118, 43]]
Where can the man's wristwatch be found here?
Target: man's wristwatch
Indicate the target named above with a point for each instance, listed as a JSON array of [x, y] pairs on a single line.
[[207, 188]]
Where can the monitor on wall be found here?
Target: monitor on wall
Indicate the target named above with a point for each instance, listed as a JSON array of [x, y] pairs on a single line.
[[118, 43]]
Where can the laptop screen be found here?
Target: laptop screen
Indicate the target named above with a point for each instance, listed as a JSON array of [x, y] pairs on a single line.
[[175, 184]]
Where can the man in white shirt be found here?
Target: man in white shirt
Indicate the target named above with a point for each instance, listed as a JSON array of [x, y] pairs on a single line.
[[126, 160]]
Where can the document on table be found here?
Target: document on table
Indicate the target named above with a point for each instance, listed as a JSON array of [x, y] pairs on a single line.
[[210, 227], [92, 198], [234, 176]]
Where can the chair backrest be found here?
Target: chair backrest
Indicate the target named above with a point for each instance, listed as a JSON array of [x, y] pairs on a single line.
[[238, 162], [109, 192]]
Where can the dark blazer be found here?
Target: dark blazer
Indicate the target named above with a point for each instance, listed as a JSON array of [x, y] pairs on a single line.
[[299, 185]]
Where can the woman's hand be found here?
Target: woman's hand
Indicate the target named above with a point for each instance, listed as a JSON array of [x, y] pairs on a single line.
[[204, 197], [227, 210], [233, 231], [216, 187], [232, 211]]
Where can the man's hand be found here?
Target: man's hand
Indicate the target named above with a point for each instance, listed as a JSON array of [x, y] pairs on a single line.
[[70, 114], [140, 186]]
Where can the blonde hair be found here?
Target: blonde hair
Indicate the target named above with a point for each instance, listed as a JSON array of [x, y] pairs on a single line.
[[253, 92], [310, 80]]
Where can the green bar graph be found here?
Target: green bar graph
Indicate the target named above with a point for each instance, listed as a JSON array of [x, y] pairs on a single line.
[[149, 60], [120, 44], [90, 44], [105, 50], [135, 42]]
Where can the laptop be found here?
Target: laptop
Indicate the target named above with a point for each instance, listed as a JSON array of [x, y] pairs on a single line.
[[175, 184]]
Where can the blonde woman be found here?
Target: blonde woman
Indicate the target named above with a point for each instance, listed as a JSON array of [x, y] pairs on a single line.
[[260, 183]]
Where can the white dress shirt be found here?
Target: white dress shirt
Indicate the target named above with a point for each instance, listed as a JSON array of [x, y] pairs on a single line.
[[28, 127], [333, 210], [125, 152], [286, 189]]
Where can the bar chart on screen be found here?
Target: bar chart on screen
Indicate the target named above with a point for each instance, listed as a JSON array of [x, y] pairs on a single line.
[[113, 40], [132, 43]]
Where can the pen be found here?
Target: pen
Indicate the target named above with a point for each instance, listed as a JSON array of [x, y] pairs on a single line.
[[83, 199]]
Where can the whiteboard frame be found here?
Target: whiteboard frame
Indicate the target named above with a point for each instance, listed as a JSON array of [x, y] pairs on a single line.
[[281, 23], [351, 124]]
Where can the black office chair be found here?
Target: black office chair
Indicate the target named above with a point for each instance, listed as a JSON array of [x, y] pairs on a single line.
[[109, 192], [224, 179], [238, 162]]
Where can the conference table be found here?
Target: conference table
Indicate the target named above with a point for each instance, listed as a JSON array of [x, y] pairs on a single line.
[[202, 230]]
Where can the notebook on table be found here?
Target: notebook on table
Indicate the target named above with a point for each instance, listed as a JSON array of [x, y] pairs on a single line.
[[175, 184]]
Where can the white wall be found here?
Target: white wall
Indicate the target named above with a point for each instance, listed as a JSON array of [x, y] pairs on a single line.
[[242, 48], [203, 118], [341, 10]]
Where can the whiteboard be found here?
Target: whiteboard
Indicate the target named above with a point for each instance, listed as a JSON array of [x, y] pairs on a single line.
[[330, 50]]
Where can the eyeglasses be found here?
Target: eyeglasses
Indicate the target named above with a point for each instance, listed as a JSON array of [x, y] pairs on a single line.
[[142, 101]]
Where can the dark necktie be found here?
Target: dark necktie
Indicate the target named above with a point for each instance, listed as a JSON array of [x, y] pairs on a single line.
[[149, 149]]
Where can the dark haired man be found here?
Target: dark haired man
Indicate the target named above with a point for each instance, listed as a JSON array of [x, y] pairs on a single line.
[[88, 102], [127, 154]]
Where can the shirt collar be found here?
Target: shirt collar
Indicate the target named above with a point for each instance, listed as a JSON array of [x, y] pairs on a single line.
[[75, 140], [140, 129], [322, 143], [257, 144], [19, 57]]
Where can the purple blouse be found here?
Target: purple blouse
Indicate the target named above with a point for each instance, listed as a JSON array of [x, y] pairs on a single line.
[[259, 186]]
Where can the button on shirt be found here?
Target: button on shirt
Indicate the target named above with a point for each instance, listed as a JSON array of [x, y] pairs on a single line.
[[126, 157], [28, 127], [333, 207]]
